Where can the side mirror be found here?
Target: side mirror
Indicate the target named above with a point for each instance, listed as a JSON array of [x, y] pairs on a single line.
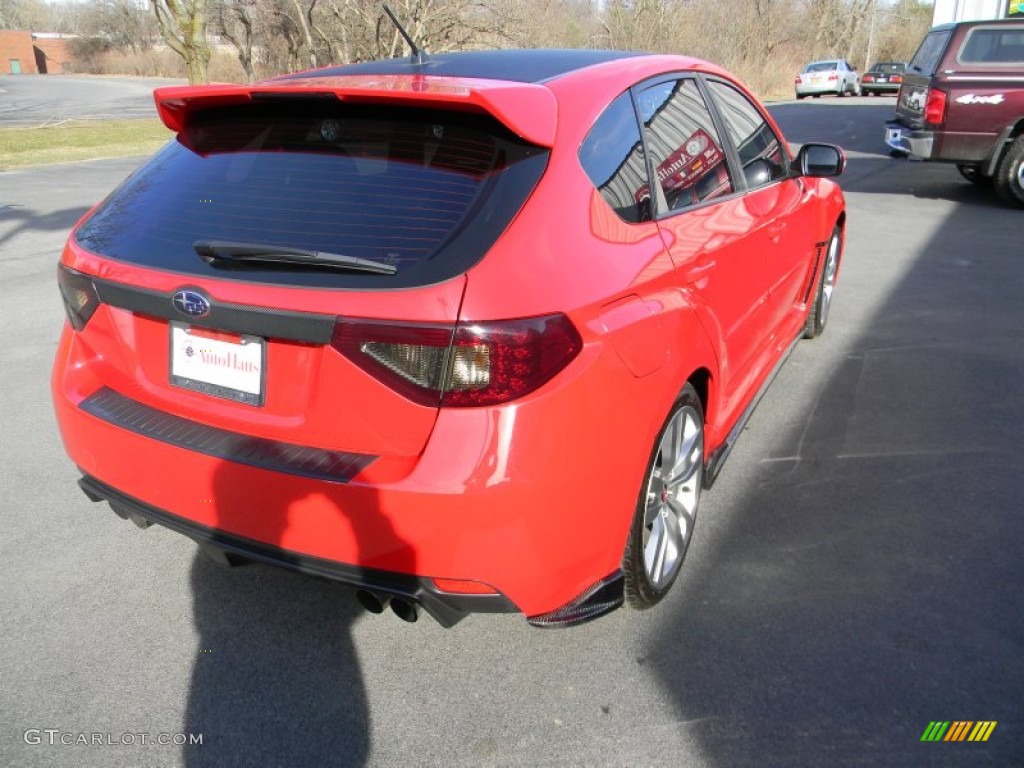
[[820, 160]]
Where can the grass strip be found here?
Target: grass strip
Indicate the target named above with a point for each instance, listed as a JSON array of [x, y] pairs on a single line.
[[79, 140]]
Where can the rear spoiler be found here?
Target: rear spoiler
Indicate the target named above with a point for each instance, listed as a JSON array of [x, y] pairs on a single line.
[[528, 110]]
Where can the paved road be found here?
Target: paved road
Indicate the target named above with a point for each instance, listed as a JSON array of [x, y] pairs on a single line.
[[856, 572], [43, 99]]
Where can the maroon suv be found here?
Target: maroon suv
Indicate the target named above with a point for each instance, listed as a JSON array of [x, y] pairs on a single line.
[[962, 101]]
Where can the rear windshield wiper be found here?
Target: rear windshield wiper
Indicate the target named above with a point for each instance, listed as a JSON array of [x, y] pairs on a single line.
[[227, 252]]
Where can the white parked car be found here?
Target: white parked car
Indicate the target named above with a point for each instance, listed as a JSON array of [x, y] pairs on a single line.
[[836, 76]]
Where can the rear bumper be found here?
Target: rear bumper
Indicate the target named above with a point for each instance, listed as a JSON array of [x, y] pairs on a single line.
[[446, 608], [917, 144], [490, 499], [810, 89]]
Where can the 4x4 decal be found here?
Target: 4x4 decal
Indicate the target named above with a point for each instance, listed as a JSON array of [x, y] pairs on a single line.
[[970, 98]]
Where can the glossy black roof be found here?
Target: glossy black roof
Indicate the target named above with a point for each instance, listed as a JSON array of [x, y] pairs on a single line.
[[524, 66]]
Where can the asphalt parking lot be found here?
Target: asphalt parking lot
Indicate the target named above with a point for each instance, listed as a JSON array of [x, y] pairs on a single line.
[[855, 574], [33, 100]]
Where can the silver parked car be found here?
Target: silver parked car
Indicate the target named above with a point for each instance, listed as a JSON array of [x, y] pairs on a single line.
[[836, 76]]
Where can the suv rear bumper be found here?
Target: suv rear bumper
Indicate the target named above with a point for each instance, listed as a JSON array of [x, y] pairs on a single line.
[[900, 138]]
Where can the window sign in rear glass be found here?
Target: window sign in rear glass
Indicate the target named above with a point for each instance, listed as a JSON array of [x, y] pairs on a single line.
[[985, 45], [927, 57], [396, 188]]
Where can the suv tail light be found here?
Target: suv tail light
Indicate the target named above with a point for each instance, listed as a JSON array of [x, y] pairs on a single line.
[[79, 294], [935, 107], [473, 364]]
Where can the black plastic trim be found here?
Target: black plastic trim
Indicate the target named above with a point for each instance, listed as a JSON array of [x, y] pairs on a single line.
[[447, 609], [308, 327], [315, 463], [595, 601], [717, 461]]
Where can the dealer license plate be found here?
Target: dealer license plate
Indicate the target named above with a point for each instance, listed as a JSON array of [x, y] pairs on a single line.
[[220, 364]]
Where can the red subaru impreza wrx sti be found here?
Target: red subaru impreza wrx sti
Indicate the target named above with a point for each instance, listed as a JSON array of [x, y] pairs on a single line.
[[467, 333]]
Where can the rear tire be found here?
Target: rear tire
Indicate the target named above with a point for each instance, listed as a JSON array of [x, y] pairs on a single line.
[[1009, 178], [667, 507], [818, 316]]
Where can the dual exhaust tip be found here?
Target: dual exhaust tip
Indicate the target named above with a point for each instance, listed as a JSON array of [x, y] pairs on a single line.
[[374, 603]]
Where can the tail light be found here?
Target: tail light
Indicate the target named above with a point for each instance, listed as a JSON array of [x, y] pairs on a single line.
[[473, 364], [868, 79], [797, 80], [79, 294], [935, 107], [833, 76], [896, 79]]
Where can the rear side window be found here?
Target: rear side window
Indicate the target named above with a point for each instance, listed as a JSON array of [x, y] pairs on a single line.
[[985, 45], [926, 60], [396, 186], [613, 158]]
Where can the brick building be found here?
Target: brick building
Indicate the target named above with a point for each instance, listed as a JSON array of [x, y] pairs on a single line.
[[33, 53]]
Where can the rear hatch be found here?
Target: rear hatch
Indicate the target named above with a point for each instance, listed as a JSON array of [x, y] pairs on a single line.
[[291, 267], [913, 94]]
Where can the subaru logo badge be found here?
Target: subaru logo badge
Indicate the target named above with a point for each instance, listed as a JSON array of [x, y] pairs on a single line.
[[191, 303]]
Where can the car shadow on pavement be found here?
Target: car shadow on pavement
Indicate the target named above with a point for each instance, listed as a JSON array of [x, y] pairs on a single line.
[[925, 181], [276, 679], [862, 578]]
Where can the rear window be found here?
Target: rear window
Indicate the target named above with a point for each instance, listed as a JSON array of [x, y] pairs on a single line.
[[887, 66], [426, 191], [985, 45], [926, 60], [822, 66]]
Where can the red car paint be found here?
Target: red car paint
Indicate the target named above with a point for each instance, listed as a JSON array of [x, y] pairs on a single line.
[[530, 498]]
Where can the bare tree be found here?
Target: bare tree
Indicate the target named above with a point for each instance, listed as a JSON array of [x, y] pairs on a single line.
[[183, 25], [237, 21], [121, 23]]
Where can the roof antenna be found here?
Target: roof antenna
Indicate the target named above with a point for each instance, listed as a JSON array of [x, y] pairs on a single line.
[[419, 56]]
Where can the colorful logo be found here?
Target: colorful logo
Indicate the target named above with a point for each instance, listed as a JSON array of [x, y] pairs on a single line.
[[958, 730]]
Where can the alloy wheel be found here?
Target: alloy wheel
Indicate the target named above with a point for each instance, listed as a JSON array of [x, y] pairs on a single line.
[[673, 490]]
